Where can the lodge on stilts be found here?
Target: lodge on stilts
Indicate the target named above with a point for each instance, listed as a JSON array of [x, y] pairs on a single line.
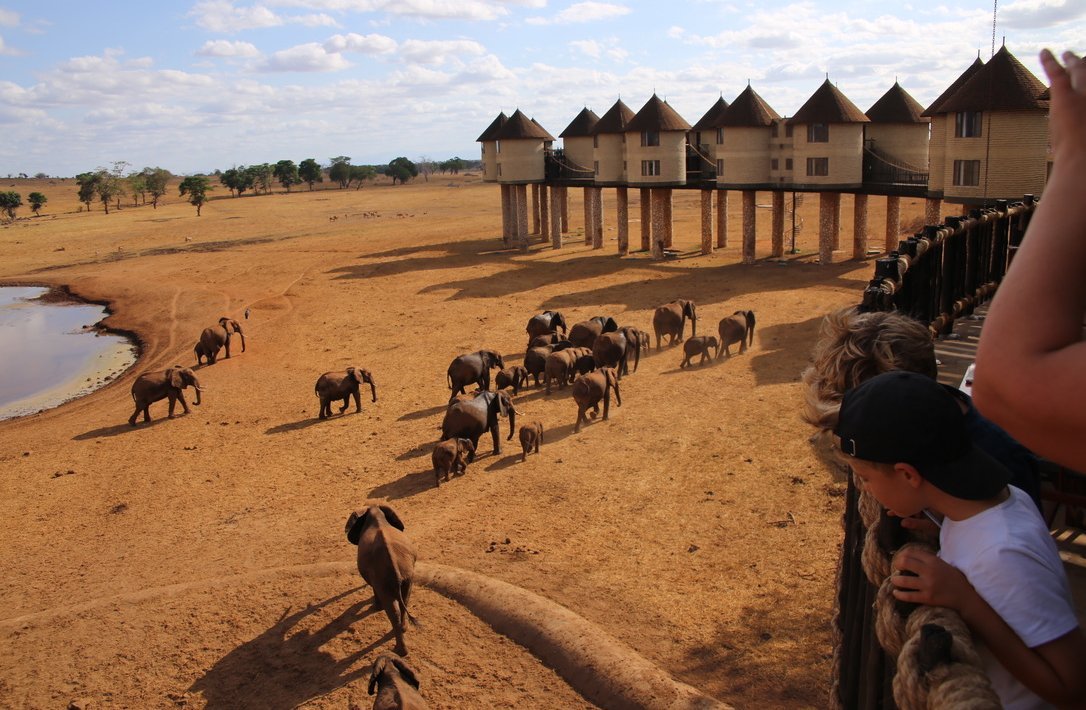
[[984, 139]]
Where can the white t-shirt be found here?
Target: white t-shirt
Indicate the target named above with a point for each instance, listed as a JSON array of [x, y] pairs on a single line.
[[1009, 557]]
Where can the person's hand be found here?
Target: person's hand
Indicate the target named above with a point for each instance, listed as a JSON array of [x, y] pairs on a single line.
[[921, 525], [1067, 116], [936, 583]]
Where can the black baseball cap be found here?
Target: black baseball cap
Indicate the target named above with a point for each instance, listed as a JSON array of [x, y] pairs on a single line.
[[905, 417]]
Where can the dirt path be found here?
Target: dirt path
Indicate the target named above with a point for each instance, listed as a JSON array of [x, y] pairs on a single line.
[[201, 561]]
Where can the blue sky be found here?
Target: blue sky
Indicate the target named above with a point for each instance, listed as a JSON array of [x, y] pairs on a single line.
[[194, 86]]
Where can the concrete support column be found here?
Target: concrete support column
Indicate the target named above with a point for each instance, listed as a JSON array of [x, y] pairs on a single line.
[[522, 217], [778, 225], [597, 218], [721, 219], [706, 221], [933, 209], [859, 227], [589, 221], [544, 213], [669, 231], [556, 217], [750, 222], [622, 200], [659, 237], [836, 221], [507, 218], [535, 209], [826, 210], [646, 219], [893, 222], [565, 209]]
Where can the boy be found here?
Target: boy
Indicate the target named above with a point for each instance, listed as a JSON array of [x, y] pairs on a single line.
[[905, 438]]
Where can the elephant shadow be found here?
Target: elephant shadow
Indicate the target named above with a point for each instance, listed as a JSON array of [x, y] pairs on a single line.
[[118, 429], [295, 426], [420, 450], [285, 667], [405, 486], [422, 413]]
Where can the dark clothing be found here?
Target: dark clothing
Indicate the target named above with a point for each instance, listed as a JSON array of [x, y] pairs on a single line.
[[998, 444]]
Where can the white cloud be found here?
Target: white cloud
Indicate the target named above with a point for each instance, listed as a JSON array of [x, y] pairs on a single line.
[[223, 16], [8, 18], [362, 44], [589, 11], [308, 57], [598, 49], [226, 48], [587, 47], [1038, 14], [439, 51]]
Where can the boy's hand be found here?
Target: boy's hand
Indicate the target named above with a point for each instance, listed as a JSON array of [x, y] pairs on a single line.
[[936, 583], [921, 525]]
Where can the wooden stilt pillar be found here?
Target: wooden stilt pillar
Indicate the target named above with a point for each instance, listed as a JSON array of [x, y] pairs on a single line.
[[544, 213], [893, 222], [597, 218], [646, 219], [669, 225], [535, 209], [859, 227], [706, 221], [565, 209], [836, 221], [933, 209], [750, 221], [825, 227], [622, 200], [556, 217], [508, 219], [778, 225], [589, 221], [659, 237], [522, 217], [721, 219]]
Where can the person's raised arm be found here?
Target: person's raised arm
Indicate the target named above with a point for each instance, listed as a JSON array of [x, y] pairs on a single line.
[[1031, 361]]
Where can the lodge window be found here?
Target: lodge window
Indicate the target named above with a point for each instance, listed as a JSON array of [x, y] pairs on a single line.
[[818, 167], [788, 130], [967, 124], [497, 146], [788, 164], [719, 136], [967, 173], [499, 169], [650, 168], [649, 138], [484, 148], [774, 164], [818, 133]]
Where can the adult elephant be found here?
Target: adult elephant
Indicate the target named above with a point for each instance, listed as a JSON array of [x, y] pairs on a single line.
[[544, 323], [584, 334], [217, 337], [471, 418], [560, 366], [343, 385], [472, 368], [670, 320], [153, 386], [589, 389], [636, 341], [736, 328], [613, 350], [535, 358]]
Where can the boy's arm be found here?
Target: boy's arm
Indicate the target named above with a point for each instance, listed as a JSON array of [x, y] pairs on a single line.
[[1054, 670]]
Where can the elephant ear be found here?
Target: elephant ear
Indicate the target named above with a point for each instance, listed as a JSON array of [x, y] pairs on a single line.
[[504, 404], [378, 669], [610, 325], [367, 377], [391, 517], [355, 523], [354, 374], [174, 377], [406, 672]]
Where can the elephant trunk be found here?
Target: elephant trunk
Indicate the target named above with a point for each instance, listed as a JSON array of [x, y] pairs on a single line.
[[512, 423], [242, 340], [198, 391], [373, 390]]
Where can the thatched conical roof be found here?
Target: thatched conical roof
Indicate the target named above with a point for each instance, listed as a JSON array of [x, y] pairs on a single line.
[[548, 137], [828, 105], [749, 110], [709, 120], [1003, 84], [582, 125], [615, 120], [520, 126], [897, 106], [656, 115], [491, 132], [937, 105]]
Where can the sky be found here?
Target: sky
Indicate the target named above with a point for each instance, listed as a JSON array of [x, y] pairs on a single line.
[[195, 86]]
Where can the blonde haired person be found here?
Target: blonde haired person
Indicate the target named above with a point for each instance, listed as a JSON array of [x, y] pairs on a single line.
[[1031, 361]]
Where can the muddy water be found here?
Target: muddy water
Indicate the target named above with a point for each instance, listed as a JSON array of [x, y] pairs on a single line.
[[50, 352]]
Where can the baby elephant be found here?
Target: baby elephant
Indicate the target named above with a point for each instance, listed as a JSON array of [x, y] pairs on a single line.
[[386, 560], [589, 389], [514, 377], [397, 685], [531, 436], [451, 457], [342, 386], [698, 345]]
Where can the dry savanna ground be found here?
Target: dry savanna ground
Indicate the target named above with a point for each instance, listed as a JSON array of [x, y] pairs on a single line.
[[201, 561]]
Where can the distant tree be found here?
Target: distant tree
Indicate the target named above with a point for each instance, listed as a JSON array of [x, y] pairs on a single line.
[[309, 170], [155, 180], [88, 187], [339, 171], [196, 187], [401, 169], [41, 176], [260, 177], [286, 172], [137, 186], [107, 187], [452, 165], [426, 166], [9, 202], [234, 180], [360, 173], [36, 201]]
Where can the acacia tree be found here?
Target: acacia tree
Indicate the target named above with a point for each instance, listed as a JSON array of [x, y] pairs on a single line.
[[36, 201], [137, 185], [426, 166], [360, 173], [155, 180], [453, 165], [286, 172], [401, 169], [260, 177], [88, 187], [237, 180], [309, 171], [340, 170], [196, 187], [9, 202], [107, 187]]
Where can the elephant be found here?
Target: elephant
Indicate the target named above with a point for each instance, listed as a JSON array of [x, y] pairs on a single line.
[[469, 418], [336, 385], [515, 377], [535, 359], [201, 352], [583, 364], [216, 337], [153, 386], [589, 389], [472, 368], [613, 350], [670, 320], [450, 457], [560, 366], [397, 685], [546, 339], [386, 560], [736, 328], [584, 334], [531, 436], [699, 345], [545, 323]]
